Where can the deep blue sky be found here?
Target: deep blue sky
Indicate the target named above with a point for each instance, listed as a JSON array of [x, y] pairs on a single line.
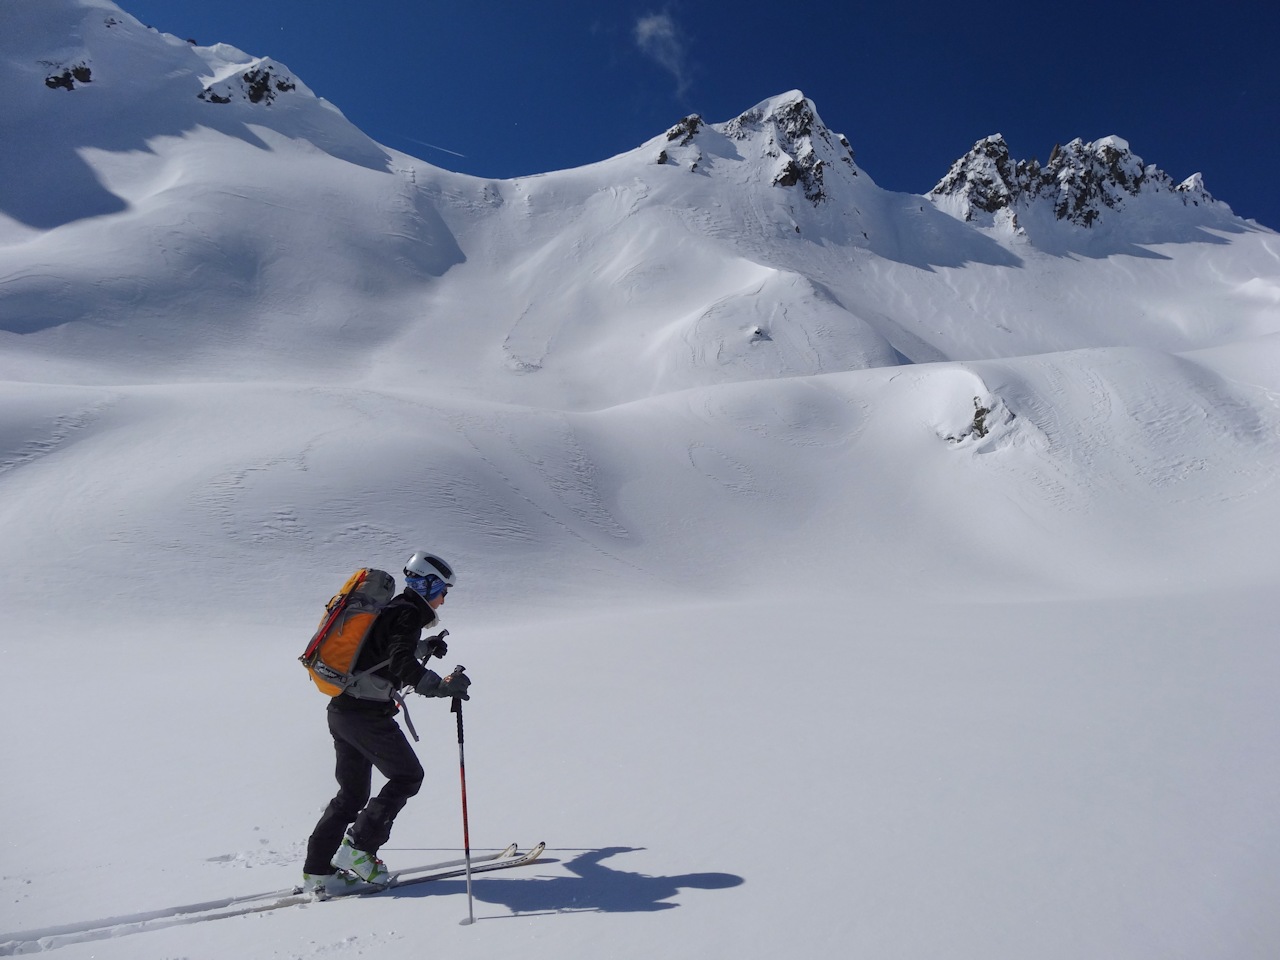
[[504, 89]]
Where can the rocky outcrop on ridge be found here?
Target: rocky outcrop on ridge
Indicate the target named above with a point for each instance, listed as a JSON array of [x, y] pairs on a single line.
[[797, 149], [261, 83], [1080, 181]]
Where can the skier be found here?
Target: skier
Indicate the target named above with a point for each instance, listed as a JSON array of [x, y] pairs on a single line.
[[365, 734]]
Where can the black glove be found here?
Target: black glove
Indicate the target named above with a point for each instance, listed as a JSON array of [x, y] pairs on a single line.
[[435, 646], [455, 685]]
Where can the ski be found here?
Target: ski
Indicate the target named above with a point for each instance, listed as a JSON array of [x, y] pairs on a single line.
[[36, 941], [399, 876], [456, 869]]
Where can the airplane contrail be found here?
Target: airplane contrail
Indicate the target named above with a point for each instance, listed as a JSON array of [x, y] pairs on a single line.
[[434, 147]]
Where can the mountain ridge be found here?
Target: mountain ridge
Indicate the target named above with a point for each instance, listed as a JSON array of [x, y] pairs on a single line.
[[794, 128], [755, 247]]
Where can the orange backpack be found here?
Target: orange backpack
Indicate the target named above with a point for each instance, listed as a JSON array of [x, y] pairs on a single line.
[[332, 653]]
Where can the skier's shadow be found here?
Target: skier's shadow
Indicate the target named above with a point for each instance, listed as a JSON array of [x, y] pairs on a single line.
[[594, 887]]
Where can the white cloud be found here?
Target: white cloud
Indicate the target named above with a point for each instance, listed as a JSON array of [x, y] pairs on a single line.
[[659, 37]]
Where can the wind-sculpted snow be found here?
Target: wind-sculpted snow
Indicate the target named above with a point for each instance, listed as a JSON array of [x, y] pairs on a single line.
[[1019, 477]]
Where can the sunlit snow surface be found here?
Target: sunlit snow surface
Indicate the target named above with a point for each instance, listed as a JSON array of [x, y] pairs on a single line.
[[837, 579]]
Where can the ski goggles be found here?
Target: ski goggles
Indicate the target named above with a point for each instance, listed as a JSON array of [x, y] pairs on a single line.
[[430, 587]]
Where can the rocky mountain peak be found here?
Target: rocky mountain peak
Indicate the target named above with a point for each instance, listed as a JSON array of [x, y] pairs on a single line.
[[785, 133], [1080, 181], [984, 179], [794, 135]]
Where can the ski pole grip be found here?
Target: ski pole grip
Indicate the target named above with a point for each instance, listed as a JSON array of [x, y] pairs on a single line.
[[456, 706]]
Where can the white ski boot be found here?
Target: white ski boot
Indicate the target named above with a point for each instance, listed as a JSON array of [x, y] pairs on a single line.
[[360, 863]]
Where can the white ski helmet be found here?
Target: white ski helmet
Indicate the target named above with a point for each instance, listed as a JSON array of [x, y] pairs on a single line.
[[423, 564]]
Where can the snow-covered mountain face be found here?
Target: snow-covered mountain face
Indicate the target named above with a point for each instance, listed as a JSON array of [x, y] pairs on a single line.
[[195, 215], [194, 201]]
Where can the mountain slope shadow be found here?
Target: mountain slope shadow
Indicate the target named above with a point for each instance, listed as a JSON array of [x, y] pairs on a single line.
[[595, 888]]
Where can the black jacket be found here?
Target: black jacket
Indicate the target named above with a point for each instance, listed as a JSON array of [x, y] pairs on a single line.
[[394, 636]]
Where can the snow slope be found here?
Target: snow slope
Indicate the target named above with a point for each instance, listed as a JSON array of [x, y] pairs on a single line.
[[839, 576]]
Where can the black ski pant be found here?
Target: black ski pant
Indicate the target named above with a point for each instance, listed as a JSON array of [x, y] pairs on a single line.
[[363, 742]]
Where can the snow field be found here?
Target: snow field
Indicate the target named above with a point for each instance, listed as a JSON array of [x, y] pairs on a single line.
[[789, 771]]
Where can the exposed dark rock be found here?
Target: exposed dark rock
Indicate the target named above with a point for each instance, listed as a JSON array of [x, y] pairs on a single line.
[[980, 414], [259, 85], [262, 85], [983, 417], [848, 150], [69, 77], [685, 130]]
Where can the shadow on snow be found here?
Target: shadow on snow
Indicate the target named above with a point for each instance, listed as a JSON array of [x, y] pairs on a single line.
[[594, 887]]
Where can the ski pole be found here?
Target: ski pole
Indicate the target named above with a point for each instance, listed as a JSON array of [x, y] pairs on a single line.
[[456, 708]]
